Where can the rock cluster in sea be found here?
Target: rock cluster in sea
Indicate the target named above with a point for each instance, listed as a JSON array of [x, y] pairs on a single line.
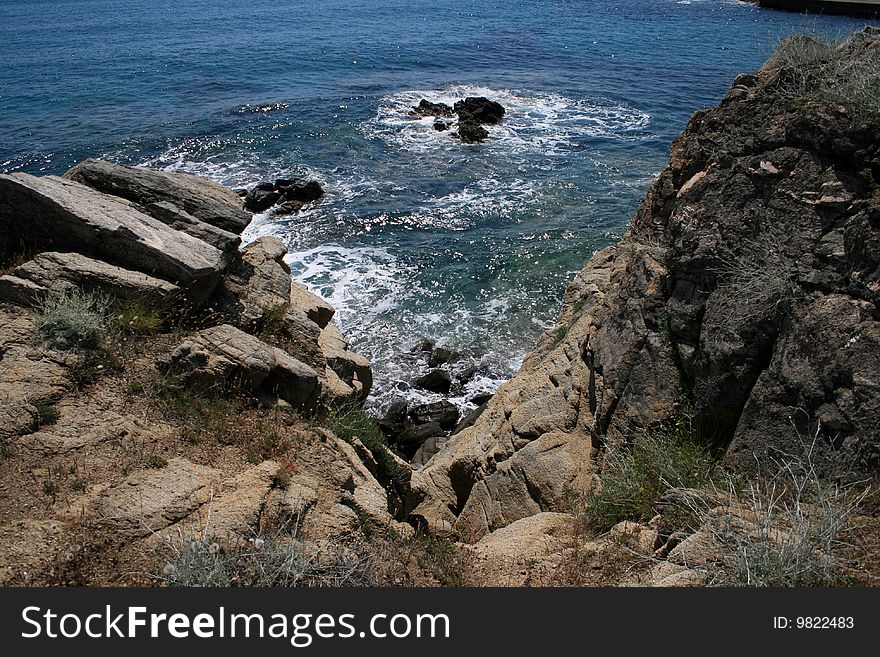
[[473, 113]]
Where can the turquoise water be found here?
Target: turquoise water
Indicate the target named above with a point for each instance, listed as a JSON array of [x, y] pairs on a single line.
[[419, 235]]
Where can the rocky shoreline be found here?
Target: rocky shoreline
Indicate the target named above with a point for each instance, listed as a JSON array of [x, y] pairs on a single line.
[[168, 389]]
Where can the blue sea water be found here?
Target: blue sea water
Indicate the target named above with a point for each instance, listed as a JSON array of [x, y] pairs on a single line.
[[419, 236]]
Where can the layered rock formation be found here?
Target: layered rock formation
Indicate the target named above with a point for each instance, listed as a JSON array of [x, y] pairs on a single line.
[[745, 296]]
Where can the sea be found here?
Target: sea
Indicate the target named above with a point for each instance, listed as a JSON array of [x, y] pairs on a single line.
[[419, 236]]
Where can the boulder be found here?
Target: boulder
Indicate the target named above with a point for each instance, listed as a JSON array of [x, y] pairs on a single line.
[[427, 108], [60, 272], [411, 438], [224, 356], [444, 413], [471, 132], [290, 195], [394, 419], [437, 380], [315, 308], [442, 355], [20, 291], [479, 109], [204, 199], [65, 215], [260, 199], [257, 284]]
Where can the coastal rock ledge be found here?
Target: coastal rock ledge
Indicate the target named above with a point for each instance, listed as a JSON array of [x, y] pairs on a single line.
[[745, 297]]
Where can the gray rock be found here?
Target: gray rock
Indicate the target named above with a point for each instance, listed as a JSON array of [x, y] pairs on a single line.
[[65, 215], [179, 219], [435, 381], [444, 413], [60, 272], [20, 291], [204, 199]]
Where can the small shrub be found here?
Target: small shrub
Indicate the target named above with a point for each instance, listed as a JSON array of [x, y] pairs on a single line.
[[282, 477], [157, 462], [72, 320], [46, 414], [273, 561], [755, 286], [785, 531], [821, 70], [634, 477]]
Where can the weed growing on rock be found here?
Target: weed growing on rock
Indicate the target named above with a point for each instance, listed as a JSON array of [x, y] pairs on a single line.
[[138, 317], [755, 286], [634, 477], [72, 320], [816, 69], [352, 423]]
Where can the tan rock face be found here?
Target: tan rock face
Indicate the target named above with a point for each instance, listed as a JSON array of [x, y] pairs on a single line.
[[530, 451], [224, 356]]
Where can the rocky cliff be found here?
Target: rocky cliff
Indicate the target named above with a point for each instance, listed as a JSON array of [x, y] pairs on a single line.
[[744, 297]]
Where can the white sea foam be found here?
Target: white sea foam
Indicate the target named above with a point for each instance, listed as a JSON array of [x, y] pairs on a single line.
[[534, 122]]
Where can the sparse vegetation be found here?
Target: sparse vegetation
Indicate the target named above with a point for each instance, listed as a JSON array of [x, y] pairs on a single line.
[[355, 423], [824, 70], [785, 531], [157, 462], [634, 477], [273, 561], [72, 320], [756, 285]]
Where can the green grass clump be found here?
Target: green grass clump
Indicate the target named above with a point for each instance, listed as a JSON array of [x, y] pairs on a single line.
[[352, 423], [634, 477], [138, 317], [72, 320]]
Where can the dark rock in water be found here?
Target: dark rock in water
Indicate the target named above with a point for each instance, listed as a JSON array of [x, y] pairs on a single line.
[[425, 108], [422, 345], [481, 399], [471, 132], [444, 413], [413, 437], [304, 192], [470, 418], [291, 193], [288, 207], [435, 381], [242, 192], [442, 355], [394, 420], [260, 199], [481, 109], [441, 126]]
